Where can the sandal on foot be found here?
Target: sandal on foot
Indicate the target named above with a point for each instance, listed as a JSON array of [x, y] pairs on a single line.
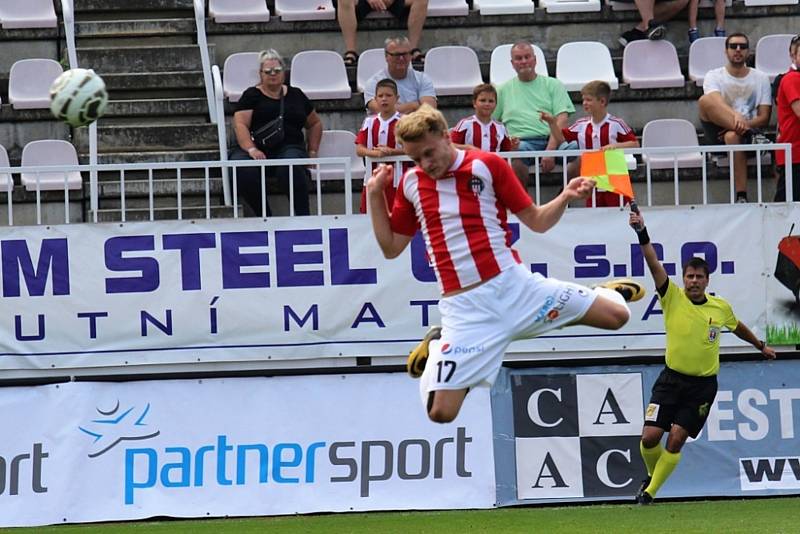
[[417, 57], [350, 58]]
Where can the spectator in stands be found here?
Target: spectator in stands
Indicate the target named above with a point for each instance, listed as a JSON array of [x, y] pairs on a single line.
[[719, 15], [651, 11], [414, 88], [258, 106], [788, 103], [376, 137], [520, 101], [480, 130], [736, 102], [598, 130], [350, 12]]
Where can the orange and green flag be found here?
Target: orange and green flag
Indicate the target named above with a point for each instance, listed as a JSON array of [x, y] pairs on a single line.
[[609, 170]]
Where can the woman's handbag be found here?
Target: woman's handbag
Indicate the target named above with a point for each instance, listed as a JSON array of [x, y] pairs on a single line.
[[270, 135]]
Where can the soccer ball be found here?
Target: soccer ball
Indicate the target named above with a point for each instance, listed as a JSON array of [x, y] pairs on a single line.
[[78, 97]]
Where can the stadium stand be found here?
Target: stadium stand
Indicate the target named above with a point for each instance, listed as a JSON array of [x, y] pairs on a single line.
[[16, 14], [448, 8], [50, 152], [570, 6], [651, 65], [338, 143], [500, 69], [705, 54], [291, 10], [771, 56], [663, 133], [454, 70], [6, 181], [321, 74], [241, 72], [504, 7], [233, 11], [369, 62], [583, 61], [29, 82]]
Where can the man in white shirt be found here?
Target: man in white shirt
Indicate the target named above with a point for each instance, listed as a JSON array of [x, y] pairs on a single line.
[[736, 102], [414, 88]]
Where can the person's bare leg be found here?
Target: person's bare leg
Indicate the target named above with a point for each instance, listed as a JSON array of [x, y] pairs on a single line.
[[646, 9], [446, 404], [692, 13], [667, 10], [719, 13], [416, 20], [346, 14], [710, 110], [606, 313], [739, 162]]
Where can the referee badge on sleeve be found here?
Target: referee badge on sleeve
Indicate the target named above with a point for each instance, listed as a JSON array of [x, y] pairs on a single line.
[[651, 414]]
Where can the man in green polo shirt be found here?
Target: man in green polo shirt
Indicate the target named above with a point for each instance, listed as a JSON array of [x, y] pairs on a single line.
[[684, 391], [520, 101]]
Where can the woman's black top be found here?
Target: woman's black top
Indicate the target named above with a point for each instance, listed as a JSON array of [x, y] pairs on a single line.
[[296, 108]]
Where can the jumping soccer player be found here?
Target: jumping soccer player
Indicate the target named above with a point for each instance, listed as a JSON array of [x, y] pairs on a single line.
[[460, 201], [685, 390]]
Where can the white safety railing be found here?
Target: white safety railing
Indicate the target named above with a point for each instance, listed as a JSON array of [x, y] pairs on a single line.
[[200, 22], [183, 174], [222, 135], [68, 13]]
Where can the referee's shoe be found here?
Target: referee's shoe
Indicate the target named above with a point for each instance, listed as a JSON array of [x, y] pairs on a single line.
[[642, 497], [630, 290], [419, 356]]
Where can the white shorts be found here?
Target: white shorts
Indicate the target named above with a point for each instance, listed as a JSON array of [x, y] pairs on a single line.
[[479, 324]]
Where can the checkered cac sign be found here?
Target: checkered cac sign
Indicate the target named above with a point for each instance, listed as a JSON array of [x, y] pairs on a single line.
[[577, 435]]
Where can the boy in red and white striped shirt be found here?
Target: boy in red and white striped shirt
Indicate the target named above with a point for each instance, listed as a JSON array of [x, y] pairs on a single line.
[[599, 130], [460, 201], [376, 137], [480, 130]]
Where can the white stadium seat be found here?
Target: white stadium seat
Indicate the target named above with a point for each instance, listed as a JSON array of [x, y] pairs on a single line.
[[6, 182], [749, 3], [337, 144], [305, 10], [239, 72], [772, 54], [448, 8], [232, 11], [670, 133], [454, 70], [500, 69], [320, 74], [580, 62], [651, 64], [27, 14], [29, 82], [45, 153], [369, 62], [504, 7], [705, 54], [570, 6]]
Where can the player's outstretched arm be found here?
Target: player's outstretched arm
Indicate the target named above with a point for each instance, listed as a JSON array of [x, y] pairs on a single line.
[[744, 333], [391, 244], [656, 269], [542, 218]]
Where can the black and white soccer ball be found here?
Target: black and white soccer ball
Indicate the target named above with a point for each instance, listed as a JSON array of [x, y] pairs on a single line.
[[78, 97]]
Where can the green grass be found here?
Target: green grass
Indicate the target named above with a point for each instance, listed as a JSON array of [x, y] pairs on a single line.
[[788, 334], [754, 516]]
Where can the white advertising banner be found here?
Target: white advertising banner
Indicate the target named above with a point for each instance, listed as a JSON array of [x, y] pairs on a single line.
[[81, 452], [180, 292]]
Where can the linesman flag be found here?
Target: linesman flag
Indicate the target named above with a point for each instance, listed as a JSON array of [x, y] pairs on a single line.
[[609, 170]]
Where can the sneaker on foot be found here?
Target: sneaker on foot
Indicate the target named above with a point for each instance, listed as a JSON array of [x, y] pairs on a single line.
[[634, 34], [419, 356], [741, 200], [644, 498], [656, 31], [719, 32], [630, 290], [694, 35]]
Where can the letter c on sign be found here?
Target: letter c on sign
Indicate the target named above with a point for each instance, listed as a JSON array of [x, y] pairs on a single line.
[[602, 468], [533, 407]]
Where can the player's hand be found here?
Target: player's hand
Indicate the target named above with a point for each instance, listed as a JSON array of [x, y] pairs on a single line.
[[768, 352], [546, 117], [514, 143], [579, 188], [636, 220], [381, 177], [547, 164]]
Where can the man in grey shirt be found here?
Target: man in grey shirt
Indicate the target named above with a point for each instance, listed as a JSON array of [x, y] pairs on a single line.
[[415, 88]]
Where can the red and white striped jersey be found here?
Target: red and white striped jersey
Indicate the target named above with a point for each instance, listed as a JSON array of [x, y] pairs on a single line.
[[375, 131], [492, 137], [463, 217], [592, 136]]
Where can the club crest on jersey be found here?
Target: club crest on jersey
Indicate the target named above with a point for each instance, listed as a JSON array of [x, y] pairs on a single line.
[[713, 333], [476, 184]]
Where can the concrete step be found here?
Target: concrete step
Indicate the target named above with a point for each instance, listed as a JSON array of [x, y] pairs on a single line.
[[85, 9], [149, 138], [135, 32], [165, 193], [165, 213], [155, 85], [164, 156], [167, 107], [124, 59]]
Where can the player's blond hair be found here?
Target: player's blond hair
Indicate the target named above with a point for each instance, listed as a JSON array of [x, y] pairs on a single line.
[[414, 126]]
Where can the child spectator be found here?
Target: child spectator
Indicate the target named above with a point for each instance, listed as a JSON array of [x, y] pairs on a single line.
[[598, 130], [719, 15], [376, 137], [480, 130]]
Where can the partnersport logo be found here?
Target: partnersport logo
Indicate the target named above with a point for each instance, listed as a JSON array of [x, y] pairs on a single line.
[[117, 424]]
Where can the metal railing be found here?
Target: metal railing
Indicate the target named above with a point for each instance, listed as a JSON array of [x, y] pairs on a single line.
[[68, 13], [200, 22], [178, 176]]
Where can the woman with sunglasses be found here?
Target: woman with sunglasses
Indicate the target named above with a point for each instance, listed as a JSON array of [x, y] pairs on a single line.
[[258, 106]]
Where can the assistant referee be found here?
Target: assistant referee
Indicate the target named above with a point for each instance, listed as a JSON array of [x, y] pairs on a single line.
[[684, 391]]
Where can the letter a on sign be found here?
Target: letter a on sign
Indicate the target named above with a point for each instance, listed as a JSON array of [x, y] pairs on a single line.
[[610, 406]]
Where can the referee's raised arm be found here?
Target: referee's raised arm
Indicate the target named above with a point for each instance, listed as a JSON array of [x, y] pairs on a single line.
[[656, 269]]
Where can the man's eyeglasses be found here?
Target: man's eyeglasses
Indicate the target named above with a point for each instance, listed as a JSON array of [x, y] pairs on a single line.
[[738, 46], [398, 54], [274, 70]]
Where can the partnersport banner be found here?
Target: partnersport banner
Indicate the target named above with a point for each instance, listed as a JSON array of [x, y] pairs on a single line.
[[179, 292], [564, 434], [80, 452]]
